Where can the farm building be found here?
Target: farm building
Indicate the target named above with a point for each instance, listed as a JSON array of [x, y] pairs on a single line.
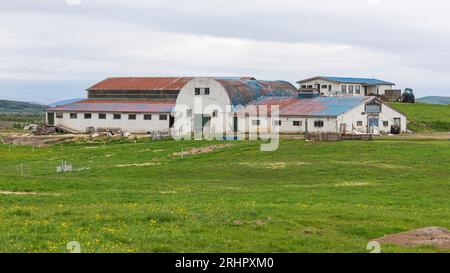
[[332, 86], [133, 104], [346, 115], [235, 105], [218, 105]]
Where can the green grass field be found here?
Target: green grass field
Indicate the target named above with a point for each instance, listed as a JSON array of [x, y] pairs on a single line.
[[305, 197], [426, 117]]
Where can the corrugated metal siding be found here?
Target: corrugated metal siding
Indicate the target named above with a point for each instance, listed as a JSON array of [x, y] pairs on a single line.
[[242, 92], [116, 106], [141, 83]]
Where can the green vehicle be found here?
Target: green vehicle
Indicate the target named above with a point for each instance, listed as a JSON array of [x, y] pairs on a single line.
[[408, 96]]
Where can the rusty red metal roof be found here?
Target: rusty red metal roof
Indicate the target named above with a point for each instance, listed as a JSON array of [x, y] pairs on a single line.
[[141, 83], [319, 106], [123, 106]]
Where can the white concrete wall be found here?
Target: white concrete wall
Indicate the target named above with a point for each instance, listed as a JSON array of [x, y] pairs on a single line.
[[217, 101], [132, 126], [337, 88], [287, 125], [388, 114]]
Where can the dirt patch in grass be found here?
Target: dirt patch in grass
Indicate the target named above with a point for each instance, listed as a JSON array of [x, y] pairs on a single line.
[[18, 193], [25, 193], [352, 184], [138, 164], [202, 150], [273, 165], [429, 236], [38, 141], [374, 164]]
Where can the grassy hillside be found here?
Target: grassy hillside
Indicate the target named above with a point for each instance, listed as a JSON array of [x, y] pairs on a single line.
[[17, 114], [140, 197], [8, 106], [426, 117]]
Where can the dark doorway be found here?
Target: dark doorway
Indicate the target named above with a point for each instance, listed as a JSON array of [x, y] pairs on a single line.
[[51, 118], [171, 121], [235, 124]]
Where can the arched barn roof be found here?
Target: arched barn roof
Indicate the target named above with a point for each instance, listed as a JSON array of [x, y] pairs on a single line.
[[244, 91]]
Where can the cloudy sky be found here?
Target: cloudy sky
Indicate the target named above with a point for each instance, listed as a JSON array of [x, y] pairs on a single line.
[[54, 49]]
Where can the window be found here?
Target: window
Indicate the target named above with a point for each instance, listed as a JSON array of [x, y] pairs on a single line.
[[386, 123], [201, 91], [304, 86], [59, 115], [373, 107], [359, 123], [132, 116], [350, 89], [310, 86], [318, 123], [324, 86], [101, 116], [358, 89], [162, 117], [344, 89], [147, 117], [277, 122], [256, 122], [117, 116], [297, 123], [87, 116], [214, 113], [73, 115]]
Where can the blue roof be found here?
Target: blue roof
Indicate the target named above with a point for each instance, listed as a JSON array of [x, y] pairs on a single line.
[[319, 106], [366, 81]]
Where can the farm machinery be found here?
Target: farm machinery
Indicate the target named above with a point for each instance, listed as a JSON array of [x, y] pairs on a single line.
[[408, 96]]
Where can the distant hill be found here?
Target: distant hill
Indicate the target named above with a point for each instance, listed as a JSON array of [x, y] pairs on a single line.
[[434, 100], [62, 102], [8, 106]]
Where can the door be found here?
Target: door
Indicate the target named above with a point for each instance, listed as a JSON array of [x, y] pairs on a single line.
[[343, 128], [51, 118], [235, 124], [398, 122], [373, 122], [205, 120], [171, 121]]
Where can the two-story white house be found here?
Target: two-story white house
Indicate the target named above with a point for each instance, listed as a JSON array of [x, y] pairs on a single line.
[[334, 86]]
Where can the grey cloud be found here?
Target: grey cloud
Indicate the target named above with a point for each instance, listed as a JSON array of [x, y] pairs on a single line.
[[278, 39]]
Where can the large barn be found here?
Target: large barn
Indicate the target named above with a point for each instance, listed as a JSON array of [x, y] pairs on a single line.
[[219, 105], [133, 104]]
